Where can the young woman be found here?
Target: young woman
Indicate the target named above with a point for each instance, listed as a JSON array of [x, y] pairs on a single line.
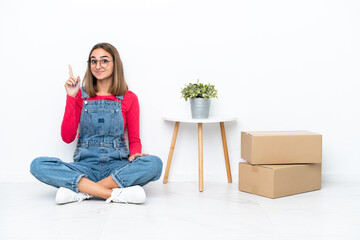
[[103, 164]]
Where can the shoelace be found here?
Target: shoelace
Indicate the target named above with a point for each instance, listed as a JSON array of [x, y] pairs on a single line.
[[117, 196], [81, 197]]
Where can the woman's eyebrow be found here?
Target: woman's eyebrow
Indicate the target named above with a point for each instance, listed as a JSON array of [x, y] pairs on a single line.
[[100, 57]]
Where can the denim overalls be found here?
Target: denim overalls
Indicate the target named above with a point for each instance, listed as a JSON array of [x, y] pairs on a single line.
[[101, 151]]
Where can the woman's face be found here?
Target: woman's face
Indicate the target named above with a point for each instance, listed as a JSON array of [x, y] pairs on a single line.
[[101, 64]]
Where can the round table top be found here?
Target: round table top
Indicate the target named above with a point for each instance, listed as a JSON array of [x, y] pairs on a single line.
[[189, 119]]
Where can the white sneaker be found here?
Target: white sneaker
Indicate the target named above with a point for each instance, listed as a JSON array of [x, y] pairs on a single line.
[[133, 194], [65, 195]]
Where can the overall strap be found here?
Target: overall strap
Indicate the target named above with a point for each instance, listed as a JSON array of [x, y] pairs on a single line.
[[84, 95], [119, 97]]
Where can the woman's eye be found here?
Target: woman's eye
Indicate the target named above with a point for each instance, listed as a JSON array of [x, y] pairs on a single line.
[[105, 61], [93, 61]]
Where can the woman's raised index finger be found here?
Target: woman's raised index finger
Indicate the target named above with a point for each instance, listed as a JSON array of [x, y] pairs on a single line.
[[70, 71]]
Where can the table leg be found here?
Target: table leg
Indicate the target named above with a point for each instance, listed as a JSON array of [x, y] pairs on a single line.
[[171, 152], [226, 154], [200, 143]]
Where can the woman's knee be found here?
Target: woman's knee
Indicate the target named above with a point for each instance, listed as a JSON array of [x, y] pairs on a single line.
[[156, 165], [35, 165], [38, 164]]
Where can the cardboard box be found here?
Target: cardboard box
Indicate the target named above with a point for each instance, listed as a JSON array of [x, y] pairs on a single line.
[[281, 147], [275, 181]]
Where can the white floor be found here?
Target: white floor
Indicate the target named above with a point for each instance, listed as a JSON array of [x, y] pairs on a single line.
[[179, 211]]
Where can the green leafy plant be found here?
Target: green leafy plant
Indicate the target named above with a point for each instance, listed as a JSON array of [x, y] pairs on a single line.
[[199, 90]]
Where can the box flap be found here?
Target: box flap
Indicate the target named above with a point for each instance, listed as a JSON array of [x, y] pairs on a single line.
[[280, 133], [279, 166], [272, 166]]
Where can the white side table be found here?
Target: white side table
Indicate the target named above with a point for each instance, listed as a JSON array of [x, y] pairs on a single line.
[[214, 119]]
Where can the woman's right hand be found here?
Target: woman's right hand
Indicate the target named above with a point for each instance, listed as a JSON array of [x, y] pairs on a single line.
[[72, 85]]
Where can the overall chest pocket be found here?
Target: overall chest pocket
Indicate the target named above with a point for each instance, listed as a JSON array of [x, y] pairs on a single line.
[[101, 121]]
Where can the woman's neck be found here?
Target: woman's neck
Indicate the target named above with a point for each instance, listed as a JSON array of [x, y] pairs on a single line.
[[103, 87]]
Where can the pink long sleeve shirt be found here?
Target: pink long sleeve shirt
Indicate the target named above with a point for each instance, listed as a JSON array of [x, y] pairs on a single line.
[[130, 113]]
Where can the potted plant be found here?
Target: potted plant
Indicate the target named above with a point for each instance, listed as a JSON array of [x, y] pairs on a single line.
[[199, 95]]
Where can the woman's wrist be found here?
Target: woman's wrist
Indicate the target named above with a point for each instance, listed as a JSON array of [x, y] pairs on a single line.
[[71, 96]]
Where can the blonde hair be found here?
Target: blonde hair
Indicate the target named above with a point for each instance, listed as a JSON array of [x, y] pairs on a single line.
[[118, 86]]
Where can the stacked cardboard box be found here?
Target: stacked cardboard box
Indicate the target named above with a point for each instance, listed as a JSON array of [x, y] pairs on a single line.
[[280, 163]]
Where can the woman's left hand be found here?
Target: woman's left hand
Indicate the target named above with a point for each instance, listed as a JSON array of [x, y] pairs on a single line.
[[136, 155]]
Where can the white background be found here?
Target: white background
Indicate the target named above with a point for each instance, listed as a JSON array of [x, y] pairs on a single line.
[[278, 65]]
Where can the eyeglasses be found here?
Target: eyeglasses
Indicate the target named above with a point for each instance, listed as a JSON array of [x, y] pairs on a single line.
[[103, 63]]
